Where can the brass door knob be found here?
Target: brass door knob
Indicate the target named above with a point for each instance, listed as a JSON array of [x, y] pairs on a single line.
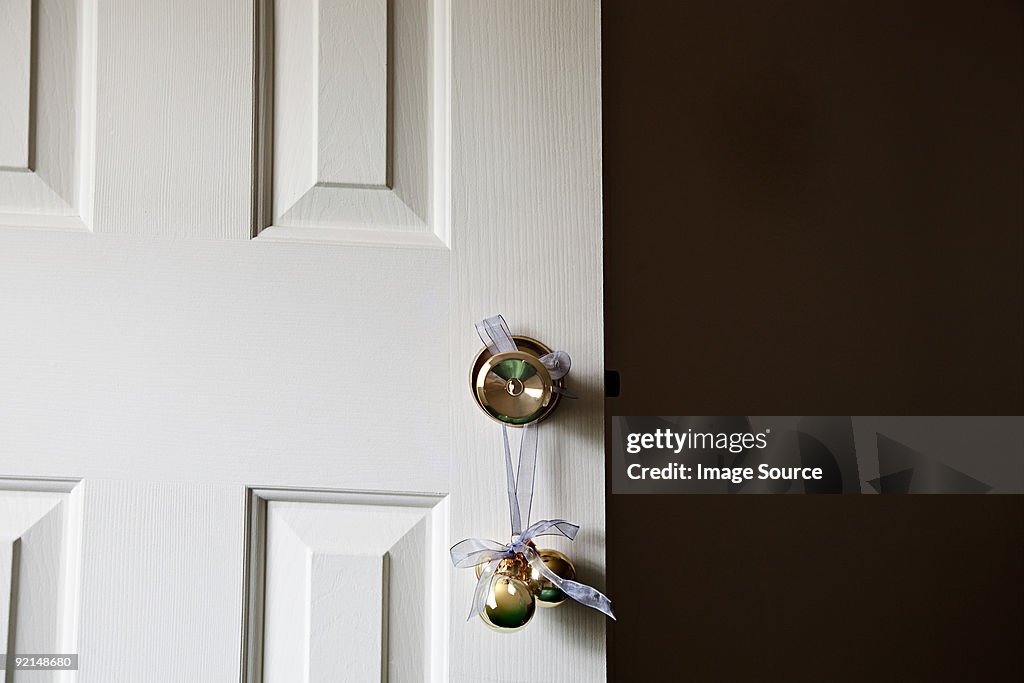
[[514, 387]]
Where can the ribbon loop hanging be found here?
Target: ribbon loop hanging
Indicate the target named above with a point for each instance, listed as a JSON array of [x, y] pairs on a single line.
[[495, 335]]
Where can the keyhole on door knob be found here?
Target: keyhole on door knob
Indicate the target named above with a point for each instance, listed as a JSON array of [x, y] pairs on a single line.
[[514, 387]]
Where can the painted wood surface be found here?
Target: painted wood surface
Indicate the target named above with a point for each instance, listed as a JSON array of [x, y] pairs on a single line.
[[174, 111], [526, 242], [15, 82], [179, 370], [352, 93]]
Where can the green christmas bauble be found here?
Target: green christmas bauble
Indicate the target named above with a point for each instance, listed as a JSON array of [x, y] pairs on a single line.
[[548, 595], [510, 604]]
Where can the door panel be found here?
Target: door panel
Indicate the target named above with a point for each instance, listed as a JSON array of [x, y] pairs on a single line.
[[15, 82], [359, 569], [46, 124], [40, 525], [353, 117]]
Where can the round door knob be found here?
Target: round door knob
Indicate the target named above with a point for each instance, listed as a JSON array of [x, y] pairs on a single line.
[[515, 388]]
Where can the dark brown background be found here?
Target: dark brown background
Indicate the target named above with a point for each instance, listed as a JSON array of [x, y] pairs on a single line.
[[815, 208]]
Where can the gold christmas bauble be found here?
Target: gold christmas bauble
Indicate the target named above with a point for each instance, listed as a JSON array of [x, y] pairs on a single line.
[[549, 595], [510, 604]]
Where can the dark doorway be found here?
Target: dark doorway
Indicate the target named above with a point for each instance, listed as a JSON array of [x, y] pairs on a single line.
[[815, 208]]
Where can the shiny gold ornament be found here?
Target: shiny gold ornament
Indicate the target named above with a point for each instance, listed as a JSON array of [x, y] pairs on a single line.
[[511, 600], [548, 595], [510, 604], [514, 387]]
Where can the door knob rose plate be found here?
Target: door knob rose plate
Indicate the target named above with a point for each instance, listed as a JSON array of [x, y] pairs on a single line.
[[514, 387]]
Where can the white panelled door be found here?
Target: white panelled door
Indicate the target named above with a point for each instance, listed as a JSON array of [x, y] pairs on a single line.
[[242, 246]]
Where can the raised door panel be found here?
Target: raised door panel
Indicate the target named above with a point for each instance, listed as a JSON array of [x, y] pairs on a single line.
[[347, 616], [46, 114], [15, 82], [40, 525], [346, 586], [352, 123], [351, 102]]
